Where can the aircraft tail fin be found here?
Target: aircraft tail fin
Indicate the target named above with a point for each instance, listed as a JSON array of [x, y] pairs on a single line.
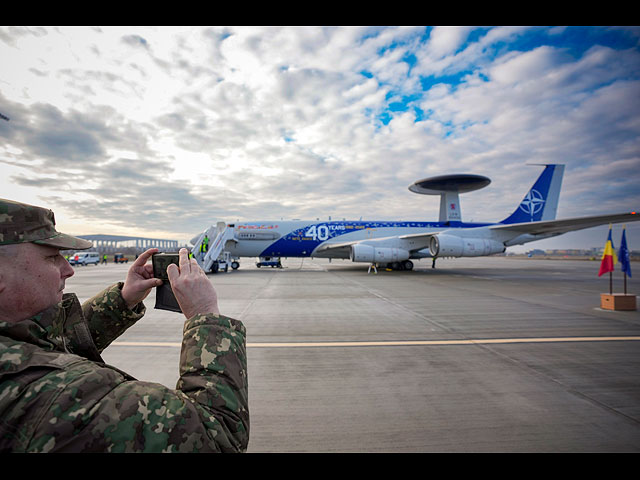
[[541, 202]]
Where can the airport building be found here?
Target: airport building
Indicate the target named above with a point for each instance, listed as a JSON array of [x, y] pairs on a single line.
[[119, 243]]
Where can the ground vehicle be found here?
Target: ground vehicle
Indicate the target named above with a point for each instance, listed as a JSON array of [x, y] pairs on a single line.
[[120, 258], [269, 262], [220, 266], [84, 258]]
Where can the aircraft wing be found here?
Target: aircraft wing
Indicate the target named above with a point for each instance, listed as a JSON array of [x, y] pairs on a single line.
[[335, 248], [419, 236], [568, 224], [410, 242]]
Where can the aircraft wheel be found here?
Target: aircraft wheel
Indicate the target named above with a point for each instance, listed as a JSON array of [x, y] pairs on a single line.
[[235, 265], [408, 265]]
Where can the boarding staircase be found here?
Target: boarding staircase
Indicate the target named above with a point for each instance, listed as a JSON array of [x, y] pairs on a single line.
[[218, 237]]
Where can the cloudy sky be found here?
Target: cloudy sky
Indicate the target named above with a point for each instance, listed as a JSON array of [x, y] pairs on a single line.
[[161, 132]]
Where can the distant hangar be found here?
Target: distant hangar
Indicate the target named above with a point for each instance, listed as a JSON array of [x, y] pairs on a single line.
[[114, 243]]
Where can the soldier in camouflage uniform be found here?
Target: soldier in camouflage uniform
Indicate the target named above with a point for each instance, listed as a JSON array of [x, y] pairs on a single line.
[[57, 394]]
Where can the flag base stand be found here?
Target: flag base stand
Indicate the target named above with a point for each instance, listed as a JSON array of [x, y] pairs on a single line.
[[617, 301]]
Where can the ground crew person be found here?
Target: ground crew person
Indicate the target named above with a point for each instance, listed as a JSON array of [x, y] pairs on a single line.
[[205, 244], [104, 259], [57, 394]]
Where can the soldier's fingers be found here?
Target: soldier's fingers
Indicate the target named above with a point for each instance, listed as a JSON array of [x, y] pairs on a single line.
[[147, 271], [185, 264], [142, 259], [194, 265], [150, 283], [172, 273]]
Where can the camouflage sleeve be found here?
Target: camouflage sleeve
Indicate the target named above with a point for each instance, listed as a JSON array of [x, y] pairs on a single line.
[[108, 315], [89, 407], [213, 373]]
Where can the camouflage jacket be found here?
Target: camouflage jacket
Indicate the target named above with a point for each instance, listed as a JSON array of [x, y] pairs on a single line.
[[57, 395]]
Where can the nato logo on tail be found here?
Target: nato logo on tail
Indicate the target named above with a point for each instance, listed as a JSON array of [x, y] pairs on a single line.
[[532, 203]]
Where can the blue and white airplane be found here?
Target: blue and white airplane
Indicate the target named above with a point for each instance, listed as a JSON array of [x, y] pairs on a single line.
[[393, 244]]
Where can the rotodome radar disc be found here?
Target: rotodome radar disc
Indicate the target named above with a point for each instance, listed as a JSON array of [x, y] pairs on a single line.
[[460, 183]]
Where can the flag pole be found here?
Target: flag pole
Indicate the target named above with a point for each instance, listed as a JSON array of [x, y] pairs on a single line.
[[610, 283], [625, 283]]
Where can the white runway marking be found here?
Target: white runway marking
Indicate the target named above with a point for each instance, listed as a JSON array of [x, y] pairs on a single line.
[[396, 343]]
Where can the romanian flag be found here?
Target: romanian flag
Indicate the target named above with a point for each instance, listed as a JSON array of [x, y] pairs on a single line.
[[608, 257]]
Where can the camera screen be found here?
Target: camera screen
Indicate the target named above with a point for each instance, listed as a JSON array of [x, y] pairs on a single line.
[[160, 263]]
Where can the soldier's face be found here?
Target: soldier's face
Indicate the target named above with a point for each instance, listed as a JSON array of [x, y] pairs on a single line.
[[32, 280]]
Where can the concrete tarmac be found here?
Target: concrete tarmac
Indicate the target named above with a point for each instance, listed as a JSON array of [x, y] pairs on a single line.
[[478, 355]]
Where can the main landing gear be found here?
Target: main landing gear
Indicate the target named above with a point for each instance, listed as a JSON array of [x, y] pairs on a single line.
[[404, 265]]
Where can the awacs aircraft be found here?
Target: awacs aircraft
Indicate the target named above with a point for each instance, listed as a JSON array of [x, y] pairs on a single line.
[[394, 244]]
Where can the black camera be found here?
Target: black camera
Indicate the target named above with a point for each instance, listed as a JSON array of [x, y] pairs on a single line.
[[165, 299]]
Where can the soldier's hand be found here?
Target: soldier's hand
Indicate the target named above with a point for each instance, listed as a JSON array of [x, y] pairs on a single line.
[[140, 280], [191, 287]]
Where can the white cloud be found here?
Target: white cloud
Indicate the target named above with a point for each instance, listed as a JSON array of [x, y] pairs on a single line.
[[244, 123], [446, 41]]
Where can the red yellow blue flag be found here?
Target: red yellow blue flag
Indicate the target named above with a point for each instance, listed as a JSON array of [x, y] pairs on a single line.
[[608, 257]]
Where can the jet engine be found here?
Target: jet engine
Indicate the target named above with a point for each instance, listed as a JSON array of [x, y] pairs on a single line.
[[453, 246], [368, 253]]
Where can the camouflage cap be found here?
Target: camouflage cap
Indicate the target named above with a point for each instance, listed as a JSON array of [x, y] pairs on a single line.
[[22, 223]]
